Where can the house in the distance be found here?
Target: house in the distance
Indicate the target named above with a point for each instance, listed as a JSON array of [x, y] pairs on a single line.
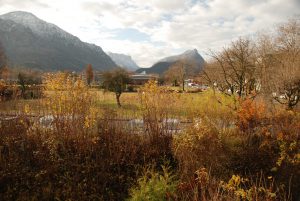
[[142, 78]]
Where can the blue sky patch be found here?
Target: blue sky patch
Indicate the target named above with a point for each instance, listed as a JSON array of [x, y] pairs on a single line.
[[130, 34]]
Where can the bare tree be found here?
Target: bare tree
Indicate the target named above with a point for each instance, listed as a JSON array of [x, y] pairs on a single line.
[[89, 74], [287, 72], [171, 76], [233, 70], [278, 60], [180, 71], [265, 62]]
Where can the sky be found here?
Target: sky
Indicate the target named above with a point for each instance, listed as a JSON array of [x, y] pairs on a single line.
[[149, 30]]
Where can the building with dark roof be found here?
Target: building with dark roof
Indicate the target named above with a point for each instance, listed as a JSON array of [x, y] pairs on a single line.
[[142, 78]]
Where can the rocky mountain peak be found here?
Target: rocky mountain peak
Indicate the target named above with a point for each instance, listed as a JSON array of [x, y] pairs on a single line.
[[124, 61], [37, 25]]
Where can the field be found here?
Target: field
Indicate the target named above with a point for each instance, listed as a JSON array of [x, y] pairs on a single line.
[[184, 106]]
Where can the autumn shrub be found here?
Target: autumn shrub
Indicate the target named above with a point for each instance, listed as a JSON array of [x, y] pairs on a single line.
[[153, 185], [250, 114], [257, 142], [271, 146], [285, 134], [203, 186], [199, 146], [157, 105], [35, 167], [225, 149], [101, 166], [69, 101], [43, 165], [14, 125], [239, 188]]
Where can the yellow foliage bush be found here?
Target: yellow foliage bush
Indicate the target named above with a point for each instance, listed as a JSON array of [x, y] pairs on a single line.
[[199, 146], [156, 102], [241, 188], [157, 105], [69, 100]]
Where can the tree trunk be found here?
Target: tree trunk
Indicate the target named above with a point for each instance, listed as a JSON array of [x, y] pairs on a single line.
[[23, 88], [118, 99], [182, 85], [175, 83]]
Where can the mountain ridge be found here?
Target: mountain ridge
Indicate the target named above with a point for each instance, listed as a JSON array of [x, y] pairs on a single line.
[[160, 67], [124, 61], [32, 42]]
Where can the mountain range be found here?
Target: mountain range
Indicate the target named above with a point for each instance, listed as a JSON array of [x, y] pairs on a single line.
[[191, 56], [31, 42]]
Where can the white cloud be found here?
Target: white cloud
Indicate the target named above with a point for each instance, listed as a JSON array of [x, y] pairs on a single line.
[[176, 25], [219, 22]]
